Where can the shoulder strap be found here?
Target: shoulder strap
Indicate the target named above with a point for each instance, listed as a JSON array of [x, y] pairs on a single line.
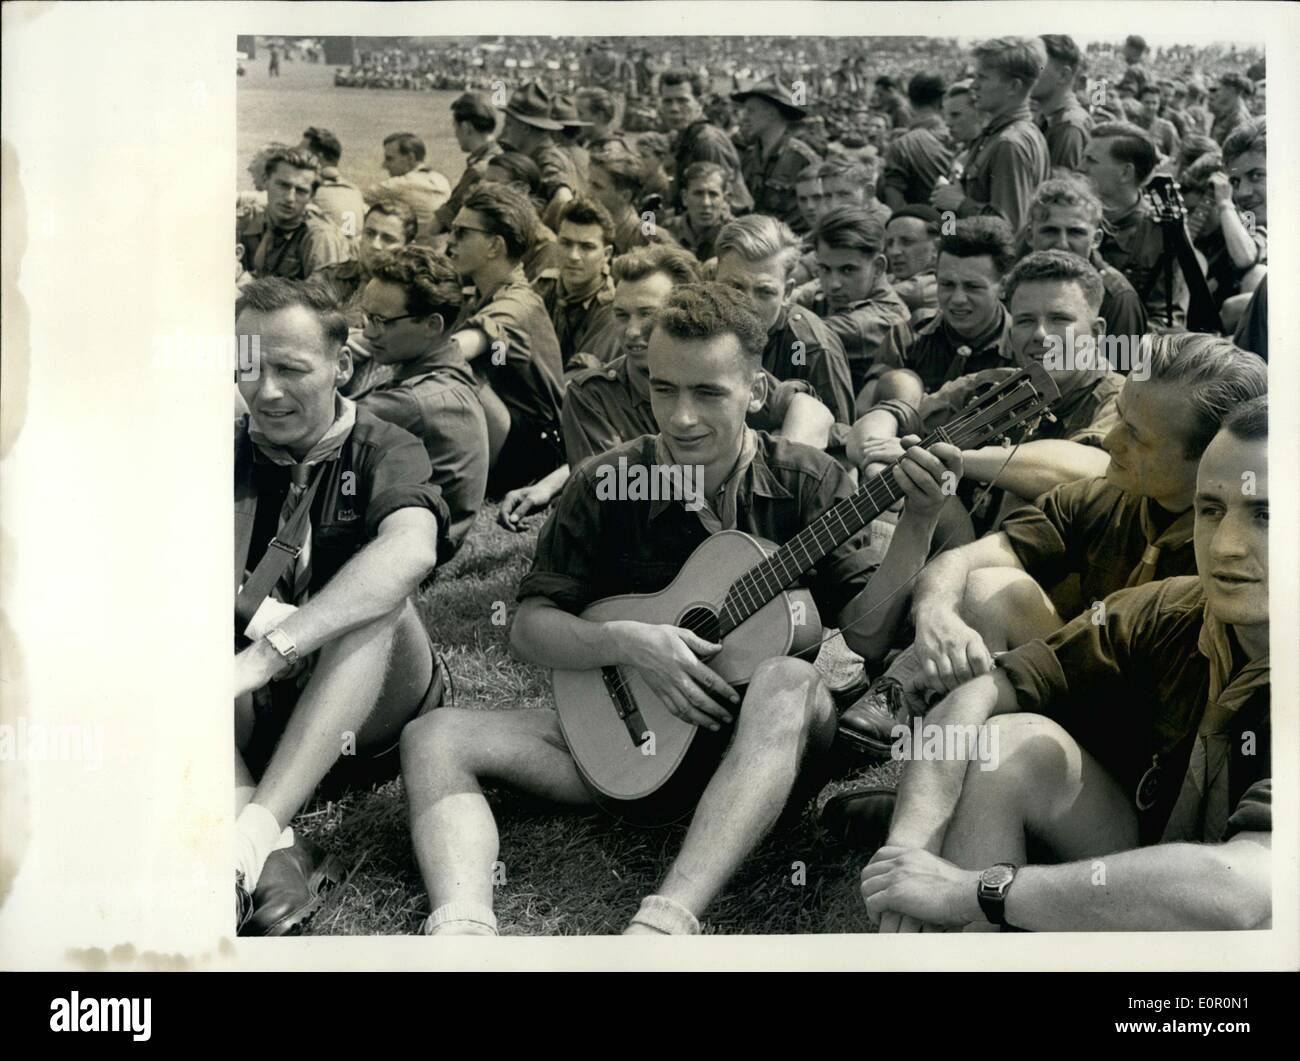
[[280, 553]]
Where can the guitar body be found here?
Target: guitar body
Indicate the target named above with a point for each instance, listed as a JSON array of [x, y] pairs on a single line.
[[660, 778]]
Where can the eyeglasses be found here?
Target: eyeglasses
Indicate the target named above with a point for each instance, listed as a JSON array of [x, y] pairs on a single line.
[[383, 322]]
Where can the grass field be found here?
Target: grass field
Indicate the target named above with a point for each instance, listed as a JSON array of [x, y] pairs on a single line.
[[566, 873], [281, 108]]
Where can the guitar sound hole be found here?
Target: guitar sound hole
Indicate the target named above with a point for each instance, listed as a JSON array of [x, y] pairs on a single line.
[[701, 621]]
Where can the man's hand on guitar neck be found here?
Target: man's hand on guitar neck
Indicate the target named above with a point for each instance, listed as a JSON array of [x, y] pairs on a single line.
[[669, 658]]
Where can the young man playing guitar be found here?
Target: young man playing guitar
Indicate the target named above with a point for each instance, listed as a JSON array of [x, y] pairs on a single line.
[[705, 370]]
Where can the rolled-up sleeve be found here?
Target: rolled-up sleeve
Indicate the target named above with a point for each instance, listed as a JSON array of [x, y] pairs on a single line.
[[565, 565], [1254, 811], [400, 479]]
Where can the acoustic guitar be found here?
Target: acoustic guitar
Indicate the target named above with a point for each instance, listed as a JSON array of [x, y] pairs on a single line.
[[640, 761]]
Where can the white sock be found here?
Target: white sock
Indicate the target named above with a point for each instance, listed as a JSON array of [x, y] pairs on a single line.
[[666, 916], [257, 834], [461, 919]]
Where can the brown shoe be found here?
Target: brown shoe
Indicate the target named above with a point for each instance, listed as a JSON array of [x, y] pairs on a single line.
[[288, 891], [868, 726]]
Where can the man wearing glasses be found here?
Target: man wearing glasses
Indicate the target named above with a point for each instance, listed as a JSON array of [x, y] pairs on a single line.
[[506, 336], [408, 306]]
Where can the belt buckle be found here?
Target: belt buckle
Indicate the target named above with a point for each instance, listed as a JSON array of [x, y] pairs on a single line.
[[294, 551]]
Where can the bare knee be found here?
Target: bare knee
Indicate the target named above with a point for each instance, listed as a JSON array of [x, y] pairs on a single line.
[[433, 744], [787, 696], [1004, 604], [901, 384], [1030, 751]]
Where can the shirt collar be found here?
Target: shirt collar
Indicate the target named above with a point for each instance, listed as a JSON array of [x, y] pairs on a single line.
[[755, 477], [1021, 113]]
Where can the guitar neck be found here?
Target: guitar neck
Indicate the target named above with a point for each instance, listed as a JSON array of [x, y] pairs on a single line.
[[805, 550], [1010, 403]]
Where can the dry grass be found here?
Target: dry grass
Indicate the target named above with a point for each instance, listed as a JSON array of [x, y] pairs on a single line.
[[566, 872]]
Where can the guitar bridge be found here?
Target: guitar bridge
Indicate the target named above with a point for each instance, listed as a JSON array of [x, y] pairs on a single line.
[[625, 705]]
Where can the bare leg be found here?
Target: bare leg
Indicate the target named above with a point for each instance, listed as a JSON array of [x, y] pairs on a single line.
[[786, 719], [1008, 608], [1044, 786], [498, 419], [446, 754], [353, 691]]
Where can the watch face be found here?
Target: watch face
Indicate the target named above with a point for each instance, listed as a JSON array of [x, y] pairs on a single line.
[[997, 876]]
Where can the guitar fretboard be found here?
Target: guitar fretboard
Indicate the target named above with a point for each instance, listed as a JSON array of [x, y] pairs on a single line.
[[1013, 401]]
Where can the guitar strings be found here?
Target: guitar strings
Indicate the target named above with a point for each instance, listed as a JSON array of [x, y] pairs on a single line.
[[935, 553]]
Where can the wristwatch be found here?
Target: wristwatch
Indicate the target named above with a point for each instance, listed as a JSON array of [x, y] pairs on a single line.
[[283, 644], [994, 884]]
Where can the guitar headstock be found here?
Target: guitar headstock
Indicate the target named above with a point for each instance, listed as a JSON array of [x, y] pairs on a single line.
[[1018, 399], [1165, 199]]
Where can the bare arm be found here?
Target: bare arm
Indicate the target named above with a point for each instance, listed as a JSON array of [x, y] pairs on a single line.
[[1167, 887], [1037, 466], [373, 583], [940, 588], [924, 478]]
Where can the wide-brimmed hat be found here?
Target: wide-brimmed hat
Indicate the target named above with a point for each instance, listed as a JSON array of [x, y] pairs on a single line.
[[531, 104], [565, 111], [776, 91]]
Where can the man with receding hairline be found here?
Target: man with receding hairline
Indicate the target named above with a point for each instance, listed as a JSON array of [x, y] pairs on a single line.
[[331, 654]]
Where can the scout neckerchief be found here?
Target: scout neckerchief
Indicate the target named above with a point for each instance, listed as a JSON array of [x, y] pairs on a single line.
[[293, 584], [1175, 536], [1202, 810]]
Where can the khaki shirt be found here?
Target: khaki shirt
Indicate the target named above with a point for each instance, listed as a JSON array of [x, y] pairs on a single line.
[[771, 178], [1008, 161], [1067, 129], [435, 398], [299, 252], [801, 346], [423, 189]]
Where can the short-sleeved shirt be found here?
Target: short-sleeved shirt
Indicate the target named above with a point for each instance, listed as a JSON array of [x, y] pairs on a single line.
[[1093, 529], [380, 470], [1133, 687], [703, 141], [423, 189], [1008, 161], [862, 327], [576, 320], [1066, 128], [592, 548], [602, 409], [801, 346], [525, 368], [938, 354], [1133, 243], [771, 177], [297, 253], [918, 158], [436, 399], [340, 201], [476, 164]]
